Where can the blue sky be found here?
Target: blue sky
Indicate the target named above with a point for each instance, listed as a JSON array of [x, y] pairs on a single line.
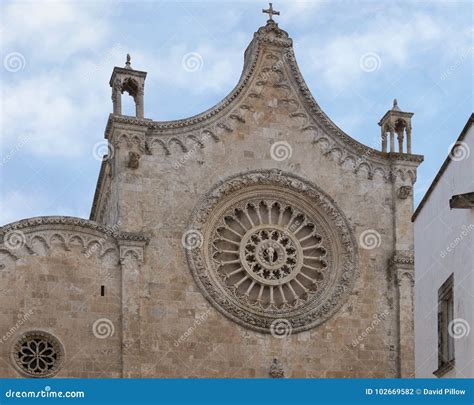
[[57, 58]]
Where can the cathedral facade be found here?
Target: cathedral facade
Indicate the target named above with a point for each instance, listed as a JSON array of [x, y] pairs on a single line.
[[255, 239]]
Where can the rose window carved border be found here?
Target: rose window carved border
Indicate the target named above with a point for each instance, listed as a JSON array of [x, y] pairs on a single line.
[[274, 246]]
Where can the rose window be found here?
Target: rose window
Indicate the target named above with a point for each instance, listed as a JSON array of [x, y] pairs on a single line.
[[269, 254], [38, 354], [273, 247]]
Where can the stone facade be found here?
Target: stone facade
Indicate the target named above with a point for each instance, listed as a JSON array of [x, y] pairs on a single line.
[[143, 288]]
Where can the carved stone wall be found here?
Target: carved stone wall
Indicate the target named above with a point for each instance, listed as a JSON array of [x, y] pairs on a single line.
[[60, 276]]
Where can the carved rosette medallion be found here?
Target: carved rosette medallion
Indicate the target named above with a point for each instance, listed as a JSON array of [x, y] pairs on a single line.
[[274, 247]]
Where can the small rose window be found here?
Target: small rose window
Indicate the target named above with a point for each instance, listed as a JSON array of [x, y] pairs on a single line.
[[38, 354]]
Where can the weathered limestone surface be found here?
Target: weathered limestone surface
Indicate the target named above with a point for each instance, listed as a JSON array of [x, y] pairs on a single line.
[[158, 172]]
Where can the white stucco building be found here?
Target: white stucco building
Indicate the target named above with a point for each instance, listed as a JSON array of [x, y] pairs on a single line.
[[444, 266]]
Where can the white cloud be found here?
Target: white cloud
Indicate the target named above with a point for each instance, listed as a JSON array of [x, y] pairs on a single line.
[[51, 29], [57, 96], [18, 204], [299, 10], [219, 67], [344, 59]]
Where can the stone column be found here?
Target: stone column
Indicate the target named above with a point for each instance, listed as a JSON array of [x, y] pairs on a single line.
[[139, 107], [392, 140], [402, 271], [384, 140], [117, 98], [408, 131], [402, 265], [400, 140], [131, 261]]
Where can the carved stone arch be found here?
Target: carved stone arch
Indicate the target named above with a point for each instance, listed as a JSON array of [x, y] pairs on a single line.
[[58, 239], [131, 253], [41, 242], [131, 86], [162, 144], [400, 124], [76, 238], [193, 139], [178, 142], [348, 161], [122, 139], [365, 167], [380, 172], [94, 247], [335, 153], [208, 132], [135, 139], [324, 143], [400, 173]]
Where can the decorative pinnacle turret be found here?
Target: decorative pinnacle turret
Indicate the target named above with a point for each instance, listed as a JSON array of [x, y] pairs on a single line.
[[396, 122]]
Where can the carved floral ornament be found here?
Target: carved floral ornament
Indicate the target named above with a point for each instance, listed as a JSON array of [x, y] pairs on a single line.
[[274, 247]]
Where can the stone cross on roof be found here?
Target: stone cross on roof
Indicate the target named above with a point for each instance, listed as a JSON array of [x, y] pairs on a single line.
[[270, 12]]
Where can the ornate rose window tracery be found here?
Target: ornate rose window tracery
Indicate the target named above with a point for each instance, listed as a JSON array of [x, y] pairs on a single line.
[[274, 247], [38, 354]]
